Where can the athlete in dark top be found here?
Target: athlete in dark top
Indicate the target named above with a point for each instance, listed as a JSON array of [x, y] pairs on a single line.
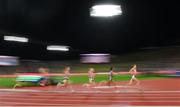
[[110, 75]]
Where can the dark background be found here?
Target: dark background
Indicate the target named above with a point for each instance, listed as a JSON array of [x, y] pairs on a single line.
[[144, 23]]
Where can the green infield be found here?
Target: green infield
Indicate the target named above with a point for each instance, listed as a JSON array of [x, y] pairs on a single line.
[[80, 79]]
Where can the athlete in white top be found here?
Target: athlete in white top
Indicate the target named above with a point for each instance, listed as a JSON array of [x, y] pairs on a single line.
[[91, 75]]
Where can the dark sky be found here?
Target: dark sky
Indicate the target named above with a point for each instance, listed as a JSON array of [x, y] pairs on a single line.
[[144, 23]]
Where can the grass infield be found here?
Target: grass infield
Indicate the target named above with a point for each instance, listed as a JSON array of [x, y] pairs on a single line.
[[80, 79]]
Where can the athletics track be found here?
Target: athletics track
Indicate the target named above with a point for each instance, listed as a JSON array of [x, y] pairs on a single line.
[[155, 92]]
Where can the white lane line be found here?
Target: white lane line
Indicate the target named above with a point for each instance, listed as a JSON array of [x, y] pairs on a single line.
[[71, 97], [29, 103], [91, 94], [94, 101], [88, 95], [97, 98], [21, 90], [90, 98], [87, 91], [89, 105], [119, 86]]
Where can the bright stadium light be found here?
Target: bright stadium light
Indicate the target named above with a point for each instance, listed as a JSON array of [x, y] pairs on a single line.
[[105, 10], [15, 38], [95, 58], [57, 48], [9, 60]]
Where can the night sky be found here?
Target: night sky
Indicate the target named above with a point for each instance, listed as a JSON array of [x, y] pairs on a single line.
[[144, 23]]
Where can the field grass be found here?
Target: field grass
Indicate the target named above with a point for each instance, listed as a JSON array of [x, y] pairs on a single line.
[[84, 79], [10, 82], [7, 82]]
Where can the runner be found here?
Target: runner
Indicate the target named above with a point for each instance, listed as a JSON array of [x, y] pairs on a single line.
[[44, 73], [66, 82], [133, 72], [40, 78], [110, 76], [91, 75], [67, 73]]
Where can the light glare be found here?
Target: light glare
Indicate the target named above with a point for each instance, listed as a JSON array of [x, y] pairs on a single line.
[[57, 48], [95, 58], [15, 38], [105, 10], [8, 60]]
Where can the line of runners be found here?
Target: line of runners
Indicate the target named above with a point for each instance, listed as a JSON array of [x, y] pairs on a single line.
[[43, 80], [92, 75]]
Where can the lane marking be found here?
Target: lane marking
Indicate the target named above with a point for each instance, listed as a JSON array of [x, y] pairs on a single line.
[[29, 103], [95, 101], [118, 86], [90, 99], [57, 91], [69, 97]]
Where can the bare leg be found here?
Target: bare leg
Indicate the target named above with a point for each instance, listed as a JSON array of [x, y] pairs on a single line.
[[18, 84], [108, 83], [70, 88], [137, 81], [59, 84], [130, 82], [68, 85]]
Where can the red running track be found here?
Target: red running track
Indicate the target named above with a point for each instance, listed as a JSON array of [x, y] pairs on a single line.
[[146, 95], [83, 99]]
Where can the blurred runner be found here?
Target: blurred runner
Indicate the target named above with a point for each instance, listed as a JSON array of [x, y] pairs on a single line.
[[44, 72], [66, 81], [110, 76], [91, 75], [133, 72]]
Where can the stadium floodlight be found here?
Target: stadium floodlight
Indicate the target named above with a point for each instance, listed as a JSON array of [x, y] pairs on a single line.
[[9, 60], [15, 38], [105, 10], [95, 58], [96, 54], [57, 48]]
